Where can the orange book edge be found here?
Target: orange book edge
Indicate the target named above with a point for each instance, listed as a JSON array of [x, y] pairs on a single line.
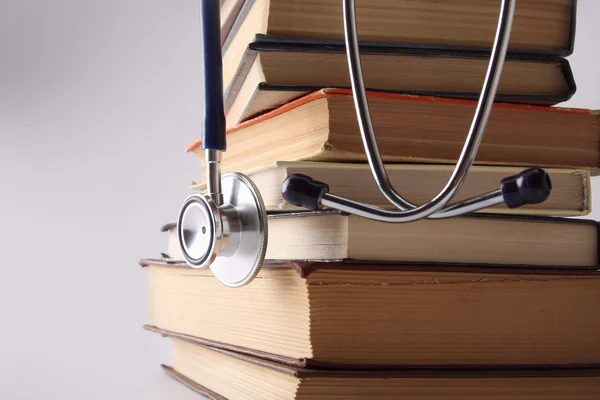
[[331, 92]]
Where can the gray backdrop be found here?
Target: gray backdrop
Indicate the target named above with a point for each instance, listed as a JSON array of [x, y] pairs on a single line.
[[98, 100]]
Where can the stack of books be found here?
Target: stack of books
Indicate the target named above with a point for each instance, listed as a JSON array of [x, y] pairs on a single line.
[[498, 304]]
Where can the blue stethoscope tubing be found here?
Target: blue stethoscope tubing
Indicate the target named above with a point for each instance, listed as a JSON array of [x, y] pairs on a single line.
[[213, 124]]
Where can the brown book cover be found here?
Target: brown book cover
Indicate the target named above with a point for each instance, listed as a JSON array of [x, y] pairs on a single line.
[[196, 387], [306, 267], [308, 364], [541, 376]]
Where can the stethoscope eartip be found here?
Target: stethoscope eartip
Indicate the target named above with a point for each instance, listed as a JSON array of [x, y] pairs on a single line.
[[532, 186], [303, 191]]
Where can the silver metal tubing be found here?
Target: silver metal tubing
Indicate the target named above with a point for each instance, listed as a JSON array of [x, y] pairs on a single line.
[[386, 215], [213, 176], [470, 205], [410, 212]]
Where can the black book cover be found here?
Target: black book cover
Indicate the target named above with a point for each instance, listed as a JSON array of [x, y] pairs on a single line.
[[269, 43]]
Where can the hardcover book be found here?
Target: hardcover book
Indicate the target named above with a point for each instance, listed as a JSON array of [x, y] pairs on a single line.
[[345, 315], [571, 188], [221, 375], [417, 129]]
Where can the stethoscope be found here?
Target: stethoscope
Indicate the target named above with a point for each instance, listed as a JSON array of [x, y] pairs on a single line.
[[226, 229]]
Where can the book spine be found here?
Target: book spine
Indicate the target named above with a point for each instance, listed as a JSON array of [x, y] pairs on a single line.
[[239, 77], [237, 23]]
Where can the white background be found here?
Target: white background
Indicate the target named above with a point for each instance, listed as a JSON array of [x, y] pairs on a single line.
[[98, 100]]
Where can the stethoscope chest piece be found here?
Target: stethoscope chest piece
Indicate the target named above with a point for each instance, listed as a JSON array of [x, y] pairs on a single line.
[[230, 238]]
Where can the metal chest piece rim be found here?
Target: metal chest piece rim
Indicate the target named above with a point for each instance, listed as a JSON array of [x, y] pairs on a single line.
[[232, 238]]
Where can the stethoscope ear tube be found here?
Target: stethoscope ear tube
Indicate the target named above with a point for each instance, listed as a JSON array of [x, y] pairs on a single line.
[[532, 186]]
